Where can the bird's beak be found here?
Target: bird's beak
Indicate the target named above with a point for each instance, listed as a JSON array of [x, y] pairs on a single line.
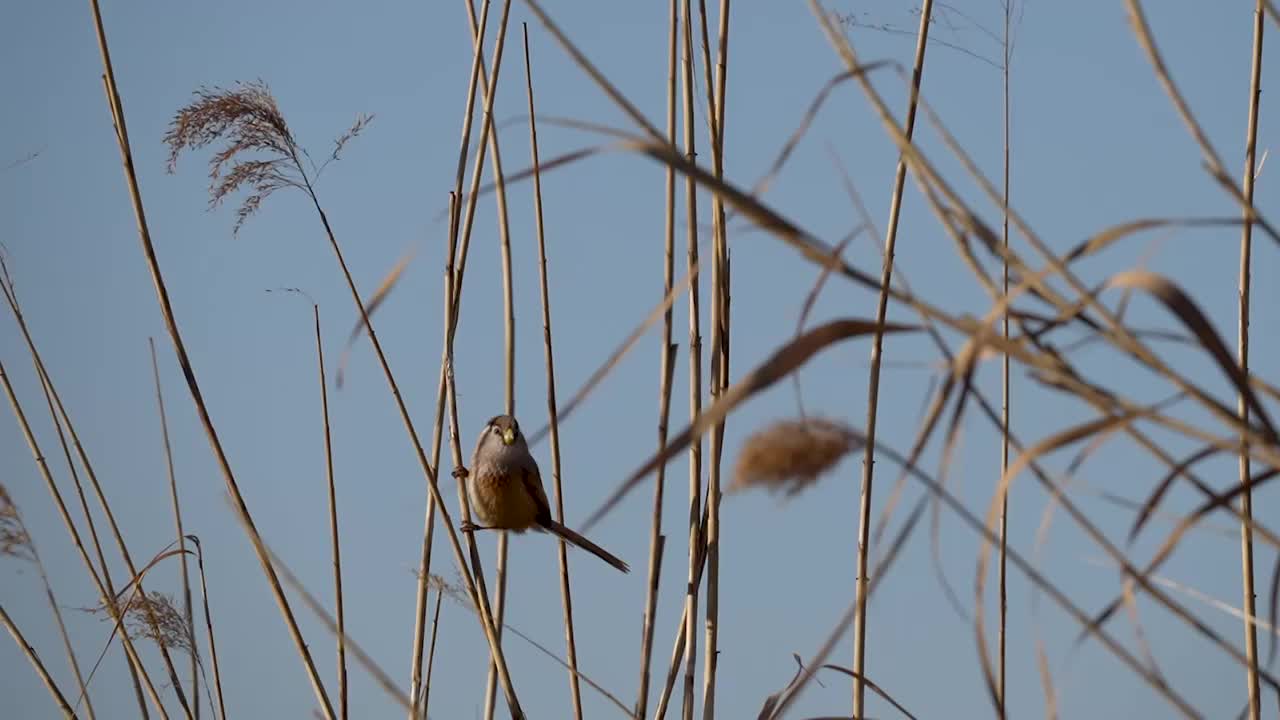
[[508, 436]]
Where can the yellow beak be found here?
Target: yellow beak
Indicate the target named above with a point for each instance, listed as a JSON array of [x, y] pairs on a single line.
[[508, 436]]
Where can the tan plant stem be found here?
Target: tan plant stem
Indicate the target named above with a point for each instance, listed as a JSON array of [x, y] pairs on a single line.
[[571, 645], [695, 379], [873, 384], [336, 548], [187, 609], [162, 295], [30, 652], [1242, 349]]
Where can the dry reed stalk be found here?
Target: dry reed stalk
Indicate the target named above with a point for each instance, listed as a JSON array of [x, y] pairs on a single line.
[[571, 646], [249, 119], [1024, 460], [162, 295], [34, 659], [696, 539], [719, 345], [208, 624], [431, 658], [454, 593], [873, 382], [16, 541], [106, 597], [61, 419], [657, 541], [455, 299], [187, 609], [479, 594], [509, 356], [424, 569], [1028, 569], [1123, 339], [51, 397], [1004, 365], [379, 675], [416, 684], [335, 545], [1058, 496], [936, 189], [662, 309], [1242, 354]]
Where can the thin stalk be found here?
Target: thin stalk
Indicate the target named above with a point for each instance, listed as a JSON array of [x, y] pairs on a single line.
[[488, 139], [873, 384], [1242, 348], [61, 419], [682, 632], [719, 348], [695, 377], [431, 656], [495, 648], [509, 342], [476, 589], [424, 569], [171, 324], [30, 652], [107, 598], [53, 607], [62, 633], [566, 595], [187, 609], [50, 395], [1004, 375], [657, 541], [208, 625], [333, 525]]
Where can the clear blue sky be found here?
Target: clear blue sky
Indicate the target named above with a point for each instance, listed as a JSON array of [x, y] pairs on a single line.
[[1095, 142]]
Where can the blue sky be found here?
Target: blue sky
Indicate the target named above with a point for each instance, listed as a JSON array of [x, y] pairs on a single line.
[[1095, 142]]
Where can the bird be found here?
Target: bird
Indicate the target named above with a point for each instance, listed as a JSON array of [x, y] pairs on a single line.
[[504, 488]]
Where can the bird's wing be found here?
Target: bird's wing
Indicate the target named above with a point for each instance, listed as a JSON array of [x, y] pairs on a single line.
[[532, 481]]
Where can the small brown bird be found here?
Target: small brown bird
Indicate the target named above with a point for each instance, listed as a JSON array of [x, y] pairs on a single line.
[[505, 489]]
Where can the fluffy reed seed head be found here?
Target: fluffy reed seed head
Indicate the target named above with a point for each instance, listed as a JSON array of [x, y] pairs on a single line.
[[260, 148], [14, 540], [154, 616], [790, 455]]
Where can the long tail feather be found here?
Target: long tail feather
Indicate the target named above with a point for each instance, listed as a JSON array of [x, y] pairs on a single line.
[[585, 544]]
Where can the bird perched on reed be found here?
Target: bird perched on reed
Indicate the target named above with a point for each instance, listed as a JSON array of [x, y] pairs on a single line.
[[504, 488]]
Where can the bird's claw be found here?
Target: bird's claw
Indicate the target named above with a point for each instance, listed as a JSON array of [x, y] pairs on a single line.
[[469, 527], [460, 473]]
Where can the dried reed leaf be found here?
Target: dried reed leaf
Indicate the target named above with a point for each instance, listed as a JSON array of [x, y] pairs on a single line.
[[565, 410], [1186, 310], [771, 702], [790, 455], [1149, 506], [1046, 681], [375, 301], [783, 361], [873, 687]]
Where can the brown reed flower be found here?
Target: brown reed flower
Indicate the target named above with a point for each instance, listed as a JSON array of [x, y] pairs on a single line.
[[14, 539], [790, 455], [248, 118], [152, 616]]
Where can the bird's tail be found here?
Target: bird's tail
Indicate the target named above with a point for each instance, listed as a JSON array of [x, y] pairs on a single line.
[[573, 537]]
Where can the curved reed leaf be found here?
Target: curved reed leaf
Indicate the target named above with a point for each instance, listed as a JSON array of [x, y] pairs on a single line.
[[783, 361]]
